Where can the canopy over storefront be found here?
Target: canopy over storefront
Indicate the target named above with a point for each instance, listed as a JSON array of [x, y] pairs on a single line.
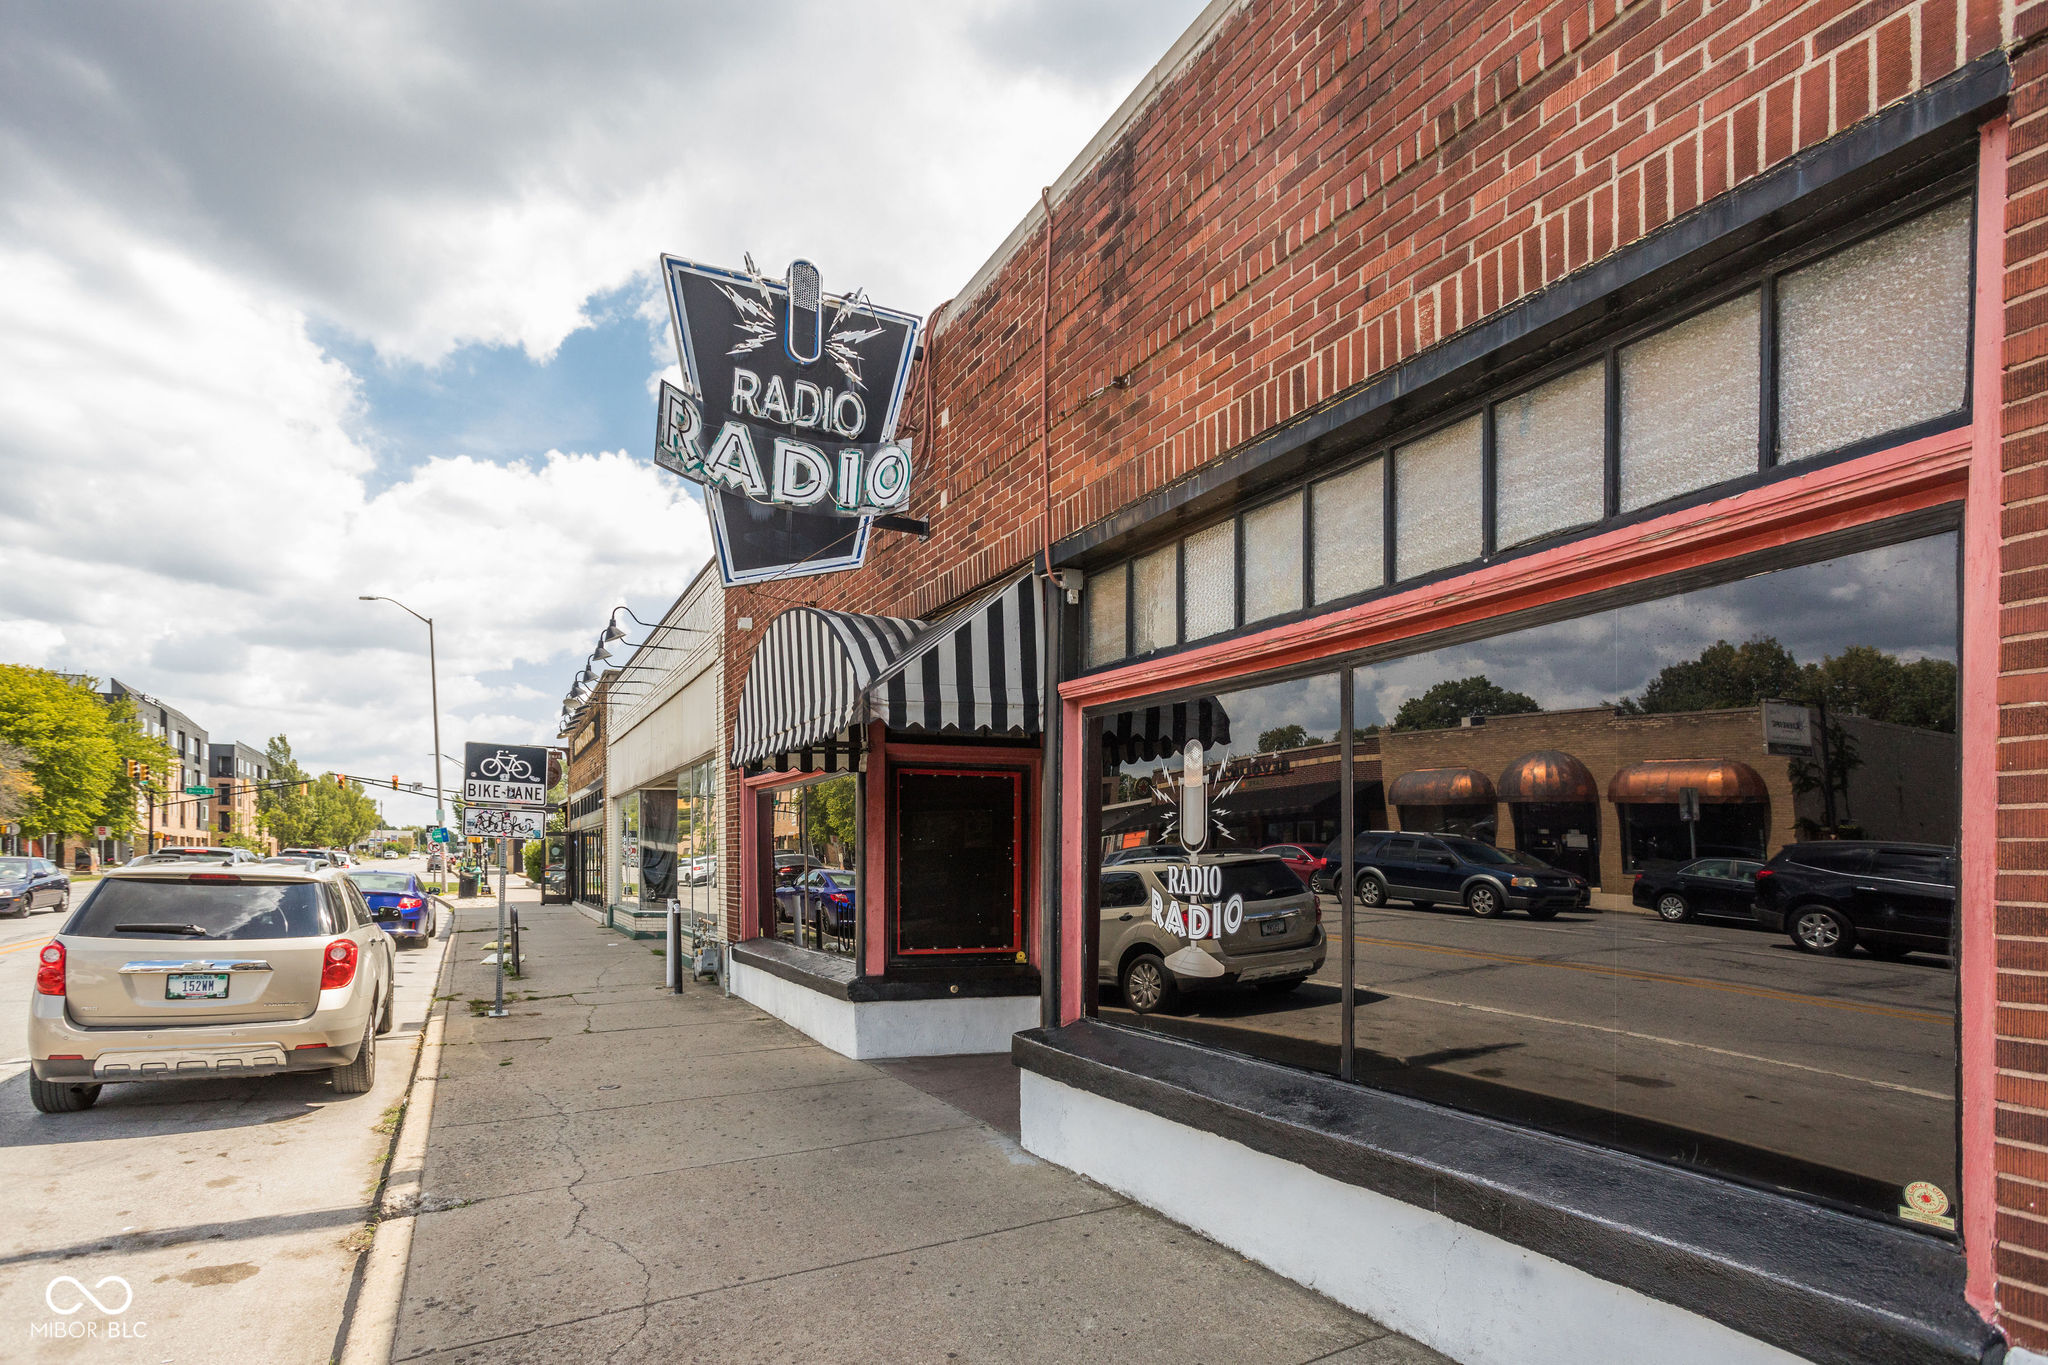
[[1442, 787], [819, 676], [1548, 775], [1719, 781]]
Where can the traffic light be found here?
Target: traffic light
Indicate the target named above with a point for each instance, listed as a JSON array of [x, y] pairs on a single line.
[[341, 779], [394, 781], [134, 770]]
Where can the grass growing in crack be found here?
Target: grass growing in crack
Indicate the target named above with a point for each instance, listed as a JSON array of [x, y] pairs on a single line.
[[393, 1116], [359, 1240]]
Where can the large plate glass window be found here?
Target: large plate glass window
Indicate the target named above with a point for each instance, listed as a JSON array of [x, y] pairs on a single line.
[[629, 850], [815, 875], [1216, 813]]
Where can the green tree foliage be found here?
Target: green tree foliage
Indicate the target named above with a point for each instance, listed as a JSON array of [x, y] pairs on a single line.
[[75, 746], [1861, 681], [828, 812], [1445, 704], [1723, 676], [1286, 737], [18, 788]]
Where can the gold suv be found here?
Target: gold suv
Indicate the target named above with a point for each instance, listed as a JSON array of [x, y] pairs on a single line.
[[172, 972]]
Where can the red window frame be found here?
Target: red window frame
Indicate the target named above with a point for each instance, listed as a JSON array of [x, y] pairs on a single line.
[[1019, 878]]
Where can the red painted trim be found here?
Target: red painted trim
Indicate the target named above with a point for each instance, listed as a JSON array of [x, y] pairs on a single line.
[[1015, 776], [1029, 762], [873, 910], [1074, 789], [1978, 908], [1907, 478]]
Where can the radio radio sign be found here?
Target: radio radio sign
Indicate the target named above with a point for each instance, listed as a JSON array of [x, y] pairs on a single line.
[[505, 774], [786, 416]]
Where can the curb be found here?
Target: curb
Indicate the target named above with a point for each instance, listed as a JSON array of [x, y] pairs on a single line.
[[371, 1323]]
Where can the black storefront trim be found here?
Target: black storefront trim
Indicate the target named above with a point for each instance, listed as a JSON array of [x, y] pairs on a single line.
[[1827, 1286], [839, 977], [1938, 123]]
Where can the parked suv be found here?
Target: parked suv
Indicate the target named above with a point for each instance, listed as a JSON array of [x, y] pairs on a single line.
[[1891, 898], [200, 971], [1276, 946], [1449, 869]]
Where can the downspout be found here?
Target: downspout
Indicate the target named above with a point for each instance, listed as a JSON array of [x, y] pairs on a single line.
[[1045, 383]]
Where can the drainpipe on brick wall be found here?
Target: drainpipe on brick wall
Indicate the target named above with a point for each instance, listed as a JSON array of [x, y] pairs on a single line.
[[1045, 380]]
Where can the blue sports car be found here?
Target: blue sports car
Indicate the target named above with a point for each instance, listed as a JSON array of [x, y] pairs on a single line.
[[399, 903]]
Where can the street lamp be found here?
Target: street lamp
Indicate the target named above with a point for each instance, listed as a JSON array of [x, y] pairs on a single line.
[[433, 692]]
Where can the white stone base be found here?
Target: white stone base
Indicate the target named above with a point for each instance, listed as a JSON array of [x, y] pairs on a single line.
[[888, 1028], [1470, 1295]]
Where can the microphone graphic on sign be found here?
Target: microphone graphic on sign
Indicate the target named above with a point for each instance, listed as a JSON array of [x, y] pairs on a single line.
[[803, 333]]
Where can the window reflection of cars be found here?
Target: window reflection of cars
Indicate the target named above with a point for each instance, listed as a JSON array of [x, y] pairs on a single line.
[[1300, 861], [1889, 898], [1705, 886], [1278, 945], [830, 893], [1449, 869]]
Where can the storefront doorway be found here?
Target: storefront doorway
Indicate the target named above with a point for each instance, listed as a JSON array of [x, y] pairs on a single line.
[[960, 843]]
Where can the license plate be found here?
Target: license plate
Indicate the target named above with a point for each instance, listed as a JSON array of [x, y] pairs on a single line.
[[381, 915], [196, 986], [1273, 928]]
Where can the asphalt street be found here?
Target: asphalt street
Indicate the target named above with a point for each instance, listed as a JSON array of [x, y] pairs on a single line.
[[1706, 1042], [228, 1215]]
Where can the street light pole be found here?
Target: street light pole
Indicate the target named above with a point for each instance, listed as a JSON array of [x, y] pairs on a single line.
[[433, 693]]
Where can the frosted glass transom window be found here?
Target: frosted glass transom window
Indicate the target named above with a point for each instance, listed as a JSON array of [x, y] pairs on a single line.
[[1350, 516], [1437, 495], [1689, 404], [1155, 600], [1876, 336], [1210, 558], [1272, 559], [1550, 457], [1106, 616]]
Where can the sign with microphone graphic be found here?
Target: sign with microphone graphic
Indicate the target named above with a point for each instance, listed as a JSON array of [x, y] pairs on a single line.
[[787, 416]]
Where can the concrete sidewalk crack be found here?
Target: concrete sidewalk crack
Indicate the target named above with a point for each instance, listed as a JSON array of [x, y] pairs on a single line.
[[680, 1099]]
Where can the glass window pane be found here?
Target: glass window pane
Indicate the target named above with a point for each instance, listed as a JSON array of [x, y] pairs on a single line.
[[958, 844], [1272, 559], [1437, 493], [812, 827], [1350, 531], [1217, 878], [1155, 600], [1586, 788], [1689, 404], [1875, 337], [1550, 465], [1106, 616], [1210, 559]]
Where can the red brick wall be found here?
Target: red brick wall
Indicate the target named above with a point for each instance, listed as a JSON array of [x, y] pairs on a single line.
[[1325, 191]]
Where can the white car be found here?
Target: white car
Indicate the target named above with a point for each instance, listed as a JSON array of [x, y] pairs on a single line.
[[202, 971]]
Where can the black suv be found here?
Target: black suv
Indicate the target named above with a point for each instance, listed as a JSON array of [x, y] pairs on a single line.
[[1892, 898], [1449, 869]]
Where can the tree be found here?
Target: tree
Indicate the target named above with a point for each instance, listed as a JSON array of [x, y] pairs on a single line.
[[1286, 737], [1449, 701], [76, 748], [18, 789], [284, 807], [1723, 677]]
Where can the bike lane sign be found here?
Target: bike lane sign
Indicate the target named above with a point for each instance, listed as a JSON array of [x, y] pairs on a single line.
[[509, 822], [504, 774]]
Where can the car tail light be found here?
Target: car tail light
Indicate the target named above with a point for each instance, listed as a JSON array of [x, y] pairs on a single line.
[[213, 877], [303, 1046], [65, 1057], [50, 969], [1764, 872], [338, 965], [410, 902]]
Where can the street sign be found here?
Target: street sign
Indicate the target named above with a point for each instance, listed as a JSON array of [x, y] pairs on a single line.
[[491, 822], [1788, 729], [1688, 803], [438, 835], [786, 415], [504, 774], [198, 791]]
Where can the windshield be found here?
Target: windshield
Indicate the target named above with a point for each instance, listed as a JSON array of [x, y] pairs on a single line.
[[381, 881], [1261, 879], [11, 868], [132, 908], [1472, 851]]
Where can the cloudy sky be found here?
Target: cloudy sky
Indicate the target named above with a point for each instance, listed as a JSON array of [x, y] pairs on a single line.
[[308, 301]]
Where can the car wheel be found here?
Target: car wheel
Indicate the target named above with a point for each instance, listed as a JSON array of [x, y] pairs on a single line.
[[1280, 986], [1817, 929], [1372, 892], [387, 1016], [60, 1097], [25, 909], [1484, 900], [1673, 907], [1147, 985], [359, 1075]]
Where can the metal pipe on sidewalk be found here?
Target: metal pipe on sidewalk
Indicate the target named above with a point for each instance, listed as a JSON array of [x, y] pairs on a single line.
[[504, 859]]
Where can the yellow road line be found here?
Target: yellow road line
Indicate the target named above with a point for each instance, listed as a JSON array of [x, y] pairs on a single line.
[[23, 947], [1666, 978]]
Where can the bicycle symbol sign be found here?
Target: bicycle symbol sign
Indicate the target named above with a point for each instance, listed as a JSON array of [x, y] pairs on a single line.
[[505, 774]]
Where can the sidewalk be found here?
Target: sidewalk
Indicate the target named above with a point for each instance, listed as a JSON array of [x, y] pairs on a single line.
[[621, 1173]]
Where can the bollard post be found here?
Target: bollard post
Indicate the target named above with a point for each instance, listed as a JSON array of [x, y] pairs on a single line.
[[504, 857], [674, 952]]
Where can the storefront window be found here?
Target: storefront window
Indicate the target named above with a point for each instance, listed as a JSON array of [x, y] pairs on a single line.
[[629, 849], [960, 855], [816, 863], [657, 849], [1592, 896], [699, 885], [590, 867]]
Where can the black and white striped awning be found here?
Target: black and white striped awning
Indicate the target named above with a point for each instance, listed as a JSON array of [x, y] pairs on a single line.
[[1153, 732], [819, 676]]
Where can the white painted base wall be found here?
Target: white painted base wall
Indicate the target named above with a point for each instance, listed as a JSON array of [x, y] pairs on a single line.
[[1470, 1295], [888, 1028], [2019, 1355]]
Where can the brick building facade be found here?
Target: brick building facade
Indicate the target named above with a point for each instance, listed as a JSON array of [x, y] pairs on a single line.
[[1311, 229]]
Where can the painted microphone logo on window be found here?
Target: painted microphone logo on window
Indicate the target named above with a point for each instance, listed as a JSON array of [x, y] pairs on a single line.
[[1194, 906]]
